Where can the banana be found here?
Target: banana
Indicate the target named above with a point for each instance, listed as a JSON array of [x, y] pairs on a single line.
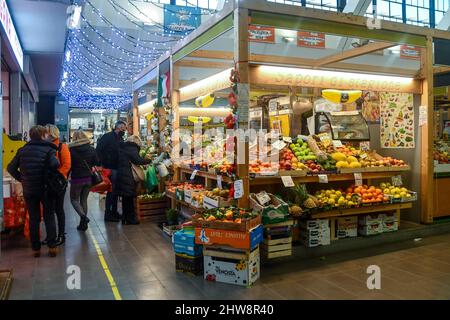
[[338, 96], [205, 101], [199, 119]]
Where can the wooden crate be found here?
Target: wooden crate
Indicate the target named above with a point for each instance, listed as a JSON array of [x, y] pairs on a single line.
[[6, 279], [153, 209], [271, 249]]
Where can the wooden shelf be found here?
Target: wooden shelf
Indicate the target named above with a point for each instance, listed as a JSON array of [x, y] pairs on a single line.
[[184, 203], [204, 174], [361, 210]]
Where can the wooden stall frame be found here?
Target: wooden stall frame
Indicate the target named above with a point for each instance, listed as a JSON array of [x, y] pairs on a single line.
[[349, 25]]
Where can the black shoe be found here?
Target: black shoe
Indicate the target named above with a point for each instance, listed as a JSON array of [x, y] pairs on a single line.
[[61, 240], [111, 219], [130, 223], [83, 226]]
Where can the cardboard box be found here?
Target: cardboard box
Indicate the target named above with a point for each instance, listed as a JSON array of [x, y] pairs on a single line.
[[314, 233], [325, 237], [347, 233], [277, 211], [314, 224], [245, 225], [389, 226], [210, 203], [310, 243], [347, 223], [183, 242], [190, 265], [233, 271], [369, 219], [370, 230], [388, 217], [236, 239]]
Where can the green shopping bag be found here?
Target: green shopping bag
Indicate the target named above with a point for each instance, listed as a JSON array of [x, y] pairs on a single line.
[[151, 179]]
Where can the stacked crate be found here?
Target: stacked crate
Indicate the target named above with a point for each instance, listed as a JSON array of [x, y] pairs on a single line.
[[314, 233], [277, 240], [188, 255]]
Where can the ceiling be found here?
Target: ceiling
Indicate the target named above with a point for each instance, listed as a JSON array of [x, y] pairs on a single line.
[[42, 37]]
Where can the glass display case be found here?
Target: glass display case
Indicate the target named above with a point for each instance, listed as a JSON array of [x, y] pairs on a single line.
[[343, 125]]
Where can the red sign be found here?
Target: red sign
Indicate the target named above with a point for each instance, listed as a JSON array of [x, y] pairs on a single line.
[[311, 39], [409, 52], [8, 27], [261, 34]]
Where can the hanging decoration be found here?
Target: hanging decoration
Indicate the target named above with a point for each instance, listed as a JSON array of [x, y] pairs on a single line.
[[232, 119]]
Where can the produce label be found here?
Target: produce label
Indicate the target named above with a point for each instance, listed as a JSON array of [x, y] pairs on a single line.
[[261, 34], [397, 120], [409, 52], [194, 173], [337, 143], [311, 39], [219, 182], [358, 179], [238, 189], [263, 198], [323, 178], [397, 181], [287, 181]]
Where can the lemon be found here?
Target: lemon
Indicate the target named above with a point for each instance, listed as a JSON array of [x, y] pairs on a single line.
[[338, 193], [332, 196], [331, 202], [387, 191], [403, 194], [328, 193]]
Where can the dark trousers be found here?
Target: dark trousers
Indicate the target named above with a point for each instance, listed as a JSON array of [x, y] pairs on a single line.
[[58, 204], [111, 197], [128, 210], [79, 194], [34, 203]]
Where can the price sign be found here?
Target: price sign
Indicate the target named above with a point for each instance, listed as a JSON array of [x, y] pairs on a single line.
[[238, 189], [287, 181], [337, 143], [397, 181], [323, 178], [263, 198], [194, 174], [364, 146], [358, 179], [219, 182], [279, 145], [287, 139], [363, 155]]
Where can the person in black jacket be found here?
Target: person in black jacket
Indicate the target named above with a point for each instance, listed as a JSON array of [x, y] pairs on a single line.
[[83, 157], [30, 166], [126, 185], [108, 152]]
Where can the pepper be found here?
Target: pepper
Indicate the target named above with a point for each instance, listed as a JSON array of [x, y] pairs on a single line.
[[231, 193]]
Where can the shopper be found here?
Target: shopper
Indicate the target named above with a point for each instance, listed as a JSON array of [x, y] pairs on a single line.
[[30, 167], [108, 152], [63, 155], [84, 158], [126, 185]]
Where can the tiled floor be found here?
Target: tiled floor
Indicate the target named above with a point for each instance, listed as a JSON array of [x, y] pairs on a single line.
[[141, 262]]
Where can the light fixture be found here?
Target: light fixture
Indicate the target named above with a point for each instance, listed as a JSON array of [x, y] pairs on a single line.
[[68, 55], [214, 83], [288, 39], [105, 89]]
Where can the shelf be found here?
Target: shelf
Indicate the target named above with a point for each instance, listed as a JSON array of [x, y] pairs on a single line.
[[331, 178], [204, 174], [184, 203], [361, 210]]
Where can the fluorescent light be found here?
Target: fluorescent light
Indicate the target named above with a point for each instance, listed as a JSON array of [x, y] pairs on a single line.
[[68, 56], [65, 75], [289, 39], [106, 89], [211, 84], [147, 107]]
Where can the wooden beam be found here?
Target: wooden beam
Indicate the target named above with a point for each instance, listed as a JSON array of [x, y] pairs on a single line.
[[212, 54], [352, 53], [135, 114], [203, 64], [443, 69], [427, 164]]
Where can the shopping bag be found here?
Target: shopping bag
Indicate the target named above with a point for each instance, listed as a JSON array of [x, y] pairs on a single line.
[[151, 179], [106, 185]]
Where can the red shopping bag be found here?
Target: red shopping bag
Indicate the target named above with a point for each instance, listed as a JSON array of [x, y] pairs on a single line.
[[9, 212], [106, 185]]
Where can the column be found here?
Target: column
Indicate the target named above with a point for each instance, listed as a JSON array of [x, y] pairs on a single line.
[[16, 103]]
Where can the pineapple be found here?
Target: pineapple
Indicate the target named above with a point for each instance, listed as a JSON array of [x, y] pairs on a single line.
[[309, 203], [302, 197]]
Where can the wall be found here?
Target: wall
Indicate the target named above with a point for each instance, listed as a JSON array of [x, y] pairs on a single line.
[[45, 110], [6, 115]]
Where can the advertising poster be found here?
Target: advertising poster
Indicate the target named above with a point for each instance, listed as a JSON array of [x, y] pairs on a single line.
[[397, 120], [181, 19], [409, 52], [369, 104], [311, 39], [261, 34]]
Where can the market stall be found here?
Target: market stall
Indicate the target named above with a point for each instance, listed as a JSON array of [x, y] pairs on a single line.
[[346, 146]]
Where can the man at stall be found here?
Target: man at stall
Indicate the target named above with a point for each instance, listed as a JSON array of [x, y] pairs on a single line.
[[108, 152]]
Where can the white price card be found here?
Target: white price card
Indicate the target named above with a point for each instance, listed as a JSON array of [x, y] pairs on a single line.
[[279, 145], [263, 198], [358, 179], [238, 189], [364, 146], [397, 181], [287, 139], [287, 181], [363, 155], [337, 143], [219, 182], [323, 178], [194, 173]]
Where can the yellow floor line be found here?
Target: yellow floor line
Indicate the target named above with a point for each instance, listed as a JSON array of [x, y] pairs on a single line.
[[112, 283]]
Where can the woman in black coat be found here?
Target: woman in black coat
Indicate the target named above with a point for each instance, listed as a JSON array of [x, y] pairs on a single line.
[[126, 186]]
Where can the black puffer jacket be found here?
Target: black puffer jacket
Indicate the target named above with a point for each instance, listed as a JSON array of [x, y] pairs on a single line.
[[83, 157], [31, 163], [128, 154], [108, 149]]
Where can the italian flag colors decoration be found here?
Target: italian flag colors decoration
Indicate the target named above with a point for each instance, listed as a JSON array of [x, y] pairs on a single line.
[[163, 88]]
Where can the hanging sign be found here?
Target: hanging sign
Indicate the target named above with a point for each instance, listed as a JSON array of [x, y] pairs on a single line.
[[311, 39], [11, 34], [423, 116], [181, 19], [287, 181], [358, 179], [238, 189], [409, 52], [261, 34], [219, 182], [397, 181]]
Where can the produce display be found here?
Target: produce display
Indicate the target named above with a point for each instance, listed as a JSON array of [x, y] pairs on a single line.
[[232, 214], [302, 151], [396, 192], [441, 152], [217, 193], [184, 185], [289, 160], [151, 196]]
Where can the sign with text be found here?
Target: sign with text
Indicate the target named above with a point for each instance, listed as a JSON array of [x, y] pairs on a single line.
[[358, 179], [181, 19], [194, 173], [287, 181], [238, 189], [323, 178], [219, 182], [311, 39], [11, 34], [409, 52], [261, 34]]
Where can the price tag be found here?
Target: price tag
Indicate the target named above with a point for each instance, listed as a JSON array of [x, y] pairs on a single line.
[[324, 137], [364, 146], [287, 139], [358, 179], [287, 181], [337, 143], [263, 198], [279, 145], [219, 182], [323, 178], [238, 189], [194, 174], [397, 181], [363, 155]]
